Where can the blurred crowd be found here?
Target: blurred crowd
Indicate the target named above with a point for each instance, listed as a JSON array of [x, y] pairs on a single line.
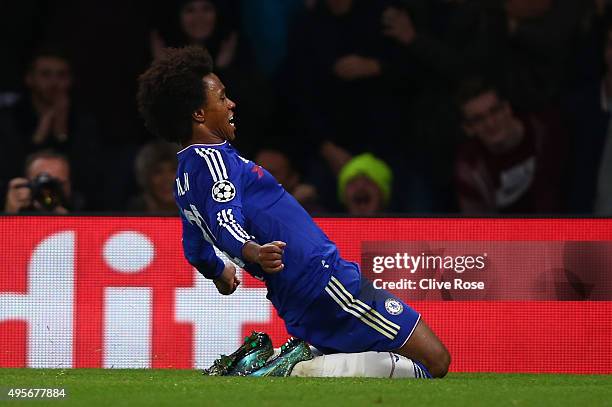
[[362, 107]]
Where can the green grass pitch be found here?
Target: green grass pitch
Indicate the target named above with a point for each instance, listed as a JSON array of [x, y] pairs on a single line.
[[113, 387]]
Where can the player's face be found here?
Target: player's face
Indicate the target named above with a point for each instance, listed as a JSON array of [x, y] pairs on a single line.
[[488, 118], [219, 109]]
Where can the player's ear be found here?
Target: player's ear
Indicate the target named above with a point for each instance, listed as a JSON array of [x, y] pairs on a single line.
[[198, 116]]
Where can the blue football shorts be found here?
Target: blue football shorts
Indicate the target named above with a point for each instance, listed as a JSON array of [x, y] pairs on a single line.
[[350, 315]]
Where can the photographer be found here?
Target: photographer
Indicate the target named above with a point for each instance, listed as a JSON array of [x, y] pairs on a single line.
[[45, 188], [48, 117]]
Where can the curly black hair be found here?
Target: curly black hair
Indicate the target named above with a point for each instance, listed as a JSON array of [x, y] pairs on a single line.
[[172, 89]]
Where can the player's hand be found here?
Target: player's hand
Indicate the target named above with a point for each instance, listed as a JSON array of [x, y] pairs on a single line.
[[270, 257], [227, 282], [18, 196]]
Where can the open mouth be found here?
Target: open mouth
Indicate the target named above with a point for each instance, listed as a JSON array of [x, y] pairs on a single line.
[[231, 121]]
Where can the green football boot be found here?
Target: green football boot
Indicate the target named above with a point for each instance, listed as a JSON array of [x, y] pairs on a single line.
[[255, 350], [292, 353]]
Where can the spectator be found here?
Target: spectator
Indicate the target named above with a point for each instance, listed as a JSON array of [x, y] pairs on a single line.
[[279, 165], [345, 90], [201, 22], [511, 163], [48, 118], [46, 186], [208, 23], [445, 39], [528, 44], [364, 185], [155, 169], [341, 68], [449, 38]]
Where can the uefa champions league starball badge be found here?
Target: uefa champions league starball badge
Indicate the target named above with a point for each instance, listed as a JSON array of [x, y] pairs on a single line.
[[223, 191], [393, 306]]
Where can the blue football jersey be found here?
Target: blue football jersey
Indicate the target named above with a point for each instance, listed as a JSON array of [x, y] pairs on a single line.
[[226, 200]]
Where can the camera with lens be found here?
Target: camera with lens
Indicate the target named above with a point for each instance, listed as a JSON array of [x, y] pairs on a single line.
[[47, 192]]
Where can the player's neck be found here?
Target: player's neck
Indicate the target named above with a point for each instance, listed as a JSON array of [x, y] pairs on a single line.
[[203, 137]]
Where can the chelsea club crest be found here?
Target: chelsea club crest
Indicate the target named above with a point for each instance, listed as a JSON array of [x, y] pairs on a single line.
[[393, 306]]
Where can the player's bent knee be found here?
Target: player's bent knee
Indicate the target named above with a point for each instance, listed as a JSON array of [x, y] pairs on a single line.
[[438, 366]]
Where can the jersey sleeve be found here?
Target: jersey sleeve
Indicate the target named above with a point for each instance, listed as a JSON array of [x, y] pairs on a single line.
[[219, 184], [198, 252]]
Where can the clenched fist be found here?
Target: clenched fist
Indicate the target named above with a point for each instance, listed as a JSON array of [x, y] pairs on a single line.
[[227, 282], [270, 257]]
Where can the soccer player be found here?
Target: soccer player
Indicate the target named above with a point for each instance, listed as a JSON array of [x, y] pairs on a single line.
[[229, 202]]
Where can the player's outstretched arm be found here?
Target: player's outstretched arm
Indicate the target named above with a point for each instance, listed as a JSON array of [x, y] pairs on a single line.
[[269, 256]]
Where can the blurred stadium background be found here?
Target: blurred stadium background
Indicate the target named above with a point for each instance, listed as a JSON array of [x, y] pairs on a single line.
[[469, 106]]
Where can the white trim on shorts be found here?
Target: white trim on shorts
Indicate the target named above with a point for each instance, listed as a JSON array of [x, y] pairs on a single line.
[[361, 310]]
